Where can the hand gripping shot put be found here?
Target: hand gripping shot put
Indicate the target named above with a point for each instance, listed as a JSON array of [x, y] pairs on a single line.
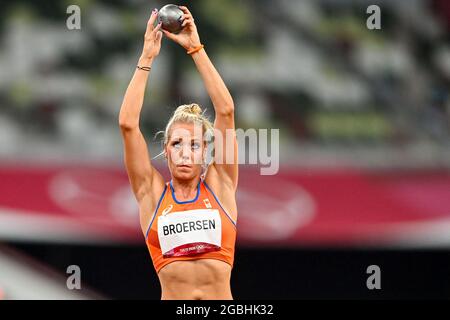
[[189, 222]]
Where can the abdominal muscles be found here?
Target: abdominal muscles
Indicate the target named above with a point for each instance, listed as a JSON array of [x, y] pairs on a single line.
[[196, 280]]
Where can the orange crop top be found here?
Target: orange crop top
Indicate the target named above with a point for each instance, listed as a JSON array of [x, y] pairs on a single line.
[[188, 230]]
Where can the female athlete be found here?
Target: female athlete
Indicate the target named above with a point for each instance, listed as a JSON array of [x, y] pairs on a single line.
[[189, 222]]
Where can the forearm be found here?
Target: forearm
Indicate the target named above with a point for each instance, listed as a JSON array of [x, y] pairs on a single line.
[[134, 96], [216, 88]]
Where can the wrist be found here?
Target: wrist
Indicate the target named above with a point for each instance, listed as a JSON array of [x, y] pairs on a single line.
[[145, 61], [192, 45], [195, 50]]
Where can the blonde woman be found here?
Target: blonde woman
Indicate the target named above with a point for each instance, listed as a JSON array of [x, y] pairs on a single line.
[[189, 222]]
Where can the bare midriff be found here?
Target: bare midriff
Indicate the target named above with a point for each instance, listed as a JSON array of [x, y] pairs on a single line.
[[201, 279]]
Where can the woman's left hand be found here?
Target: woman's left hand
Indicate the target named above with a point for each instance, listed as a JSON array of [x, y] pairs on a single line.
[[188, 37]]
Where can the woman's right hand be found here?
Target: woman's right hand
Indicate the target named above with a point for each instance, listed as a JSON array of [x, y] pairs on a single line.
[[152, 38]]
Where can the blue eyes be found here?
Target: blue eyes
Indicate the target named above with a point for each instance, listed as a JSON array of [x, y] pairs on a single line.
[[194, 145]]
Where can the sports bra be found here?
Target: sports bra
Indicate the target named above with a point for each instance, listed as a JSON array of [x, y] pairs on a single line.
[[188, 230]]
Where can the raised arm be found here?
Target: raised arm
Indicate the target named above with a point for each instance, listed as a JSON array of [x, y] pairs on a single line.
[[145, 180], [220, 97]]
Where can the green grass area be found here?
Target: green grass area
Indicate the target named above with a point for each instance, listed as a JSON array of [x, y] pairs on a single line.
[[350, 126]]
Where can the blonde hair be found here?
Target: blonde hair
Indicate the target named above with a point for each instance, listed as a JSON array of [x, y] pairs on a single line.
[[189, 113]]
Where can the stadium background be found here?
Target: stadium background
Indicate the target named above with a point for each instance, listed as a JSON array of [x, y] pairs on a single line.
[[364, 119]]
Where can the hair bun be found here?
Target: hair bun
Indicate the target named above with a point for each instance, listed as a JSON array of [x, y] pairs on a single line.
[[195, 109], [192, 108], [189, 113]]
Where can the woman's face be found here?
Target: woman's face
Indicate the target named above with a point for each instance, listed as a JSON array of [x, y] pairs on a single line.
[[185, 150]]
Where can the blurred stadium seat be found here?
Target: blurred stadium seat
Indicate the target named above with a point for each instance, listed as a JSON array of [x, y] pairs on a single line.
[[364, 119]]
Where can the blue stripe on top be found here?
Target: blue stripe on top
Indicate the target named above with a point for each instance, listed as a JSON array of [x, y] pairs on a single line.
[[156, 210], [188, 201], [217, 200]]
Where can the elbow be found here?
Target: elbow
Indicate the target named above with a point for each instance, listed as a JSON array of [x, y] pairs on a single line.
[[127, 125], [127, 121], [227, 109]]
